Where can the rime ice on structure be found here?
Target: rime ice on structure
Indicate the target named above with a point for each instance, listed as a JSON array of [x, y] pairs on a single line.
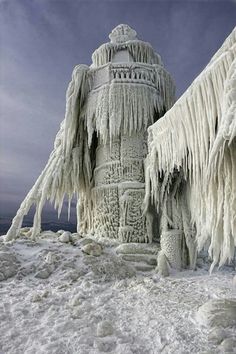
[[100, 149], [191, 165], [129, 91], [190, 172]]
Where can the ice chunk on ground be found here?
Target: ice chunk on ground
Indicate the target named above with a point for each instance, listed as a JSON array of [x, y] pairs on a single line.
[[137, 248], [217, 335], [65, 237], [8, 265], [163, 265], [228, 345], [94, 249], [104, 329], [84, 241], [217, 313]]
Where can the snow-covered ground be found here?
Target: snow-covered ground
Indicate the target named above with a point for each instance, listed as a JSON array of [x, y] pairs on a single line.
[[55, 298]]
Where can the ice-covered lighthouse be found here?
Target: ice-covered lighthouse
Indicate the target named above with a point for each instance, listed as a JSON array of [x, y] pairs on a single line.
[[100, 148]]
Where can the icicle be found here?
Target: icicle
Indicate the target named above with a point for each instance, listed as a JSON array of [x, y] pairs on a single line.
[[136, 101]]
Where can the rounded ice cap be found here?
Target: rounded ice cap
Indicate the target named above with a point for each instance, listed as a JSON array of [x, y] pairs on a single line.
[[122, 33]]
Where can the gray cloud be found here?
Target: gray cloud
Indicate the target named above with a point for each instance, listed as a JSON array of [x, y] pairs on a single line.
[[41, 42]]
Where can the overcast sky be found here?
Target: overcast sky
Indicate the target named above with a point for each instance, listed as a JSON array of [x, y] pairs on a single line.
[[41, 42]]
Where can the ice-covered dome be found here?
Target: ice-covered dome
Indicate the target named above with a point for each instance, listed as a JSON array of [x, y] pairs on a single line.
[[122, 33]]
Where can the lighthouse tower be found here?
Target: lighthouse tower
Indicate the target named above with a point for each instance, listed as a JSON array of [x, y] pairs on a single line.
[[129, 90]]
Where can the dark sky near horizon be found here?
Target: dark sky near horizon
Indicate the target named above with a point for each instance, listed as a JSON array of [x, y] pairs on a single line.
[[41, 42]]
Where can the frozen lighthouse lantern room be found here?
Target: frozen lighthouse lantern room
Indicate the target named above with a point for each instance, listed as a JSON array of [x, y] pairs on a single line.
[[172, 185]]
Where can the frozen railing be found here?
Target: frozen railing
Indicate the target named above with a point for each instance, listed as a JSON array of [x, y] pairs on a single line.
[[124, 72]]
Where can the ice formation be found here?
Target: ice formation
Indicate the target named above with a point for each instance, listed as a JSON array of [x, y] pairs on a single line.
[[100, 149], [191, 165], [185, 190]]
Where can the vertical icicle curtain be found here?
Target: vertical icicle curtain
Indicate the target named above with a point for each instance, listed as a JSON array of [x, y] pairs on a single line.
[[198, 136]]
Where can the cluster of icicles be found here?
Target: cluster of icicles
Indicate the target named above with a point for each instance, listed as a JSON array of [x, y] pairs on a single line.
[[127, 108], [108, 112], [68, 167], [141, 52], [197, 136]]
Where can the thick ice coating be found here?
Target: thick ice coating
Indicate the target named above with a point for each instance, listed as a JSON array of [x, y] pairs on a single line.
[[100, 148], [195, 140]]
